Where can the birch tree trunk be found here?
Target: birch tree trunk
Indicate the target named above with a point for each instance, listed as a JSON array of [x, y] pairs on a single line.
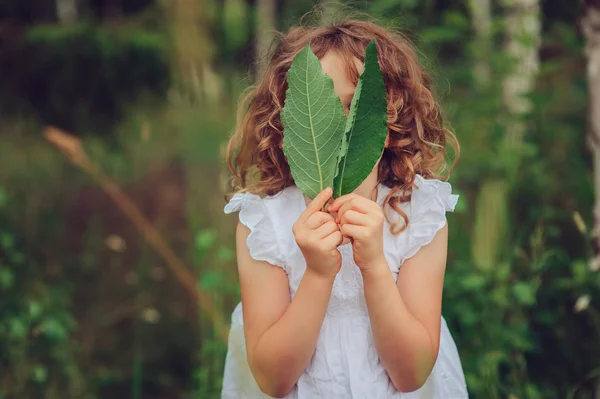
[[265, 32], [523, 34], [523, 31], [486, 228], [66, 11], [481, 15], [591, 29], [590, 25]]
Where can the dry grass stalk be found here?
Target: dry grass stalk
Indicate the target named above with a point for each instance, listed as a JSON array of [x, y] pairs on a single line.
[[72, 148]]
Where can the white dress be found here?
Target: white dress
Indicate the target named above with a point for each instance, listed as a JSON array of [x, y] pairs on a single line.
[[345, 363]]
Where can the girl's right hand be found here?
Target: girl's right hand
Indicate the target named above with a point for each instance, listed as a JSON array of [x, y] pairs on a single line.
[[318, 236]]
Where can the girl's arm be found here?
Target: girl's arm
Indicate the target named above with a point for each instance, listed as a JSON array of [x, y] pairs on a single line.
[[281, 335], [405, 316]]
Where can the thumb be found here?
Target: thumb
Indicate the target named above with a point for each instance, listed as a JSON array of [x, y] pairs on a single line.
[[320, 200], [316, 204]]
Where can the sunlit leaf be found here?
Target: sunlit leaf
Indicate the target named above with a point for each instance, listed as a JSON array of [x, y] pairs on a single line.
[[313, 119], [40, 374], [524, 292], [35, 309]]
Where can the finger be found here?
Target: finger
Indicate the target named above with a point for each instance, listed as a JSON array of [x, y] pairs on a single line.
[[353, 205], [318, 219], [353, 231], [357, 203], [346, 207], [356, 218], [316, 204], [326, 229], [339, 201], [333, 240]]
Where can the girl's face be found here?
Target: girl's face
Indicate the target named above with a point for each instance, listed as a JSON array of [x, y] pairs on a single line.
[[335, 66]]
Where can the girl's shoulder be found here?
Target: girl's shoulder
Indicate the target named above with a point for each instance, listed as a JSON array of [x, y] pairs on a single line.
[[270, 220], [287, 201], [426, 212], [427, 196]]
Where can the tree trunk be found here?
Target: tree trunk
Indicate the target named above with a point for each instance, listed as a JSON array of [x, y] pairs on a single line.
[[265, 32], [523, 34], [523, 31], [590, 25], [488, 225], [591, 29], [66, 11], [481, 15]]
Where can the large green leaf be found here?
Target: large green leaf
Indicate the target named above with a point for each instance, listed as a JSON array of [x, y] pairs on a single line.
[[366, 127], [313, 119]]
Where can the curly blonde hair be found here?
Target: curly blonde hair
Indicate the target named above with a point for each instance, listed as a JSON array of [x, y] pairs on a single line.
[[417, 138]]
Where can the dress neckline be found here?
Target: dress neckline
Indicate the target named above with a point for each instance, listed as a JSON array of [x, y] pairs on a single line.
[[382, 191]]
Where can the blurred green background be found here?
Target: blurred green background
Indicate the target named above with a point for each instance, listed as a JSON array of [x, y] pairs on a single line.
[[93, 307]]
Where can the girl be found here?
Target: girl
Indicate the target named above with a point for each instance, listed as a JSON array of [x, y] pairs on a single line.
[[344, 303]]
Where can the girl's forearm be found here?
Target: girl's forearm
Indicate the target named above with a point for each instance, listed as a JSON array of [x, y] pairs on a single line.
[[283, 352], [403, 344]]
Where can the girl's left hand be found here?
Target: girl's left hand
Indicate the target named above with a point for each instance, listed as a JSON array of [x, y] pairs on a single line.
[[362, 221]]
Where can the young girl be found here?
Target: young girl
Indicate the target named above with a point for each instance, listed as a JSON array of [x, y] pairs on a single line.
[[344, 303]]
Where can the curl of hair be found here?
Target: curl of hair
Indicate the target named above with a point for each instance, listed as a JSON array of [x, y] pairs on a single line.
[[417, 138]]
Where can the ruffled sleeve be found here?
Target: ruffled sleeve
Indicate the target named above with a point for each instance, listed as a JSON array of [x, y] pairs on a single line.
[[262, 241], [430, 201]]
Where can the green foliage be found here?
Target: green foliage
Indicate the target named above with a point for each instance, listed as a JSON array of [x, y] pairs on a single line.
[[366, 127], [36, 325], [314, 121], [511, 307], [235, 23], [94, 74], [92, 322]]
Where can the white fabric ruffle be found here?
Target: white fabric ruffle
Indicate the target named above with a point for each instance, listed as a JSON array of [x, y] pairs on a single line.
[[430, 201], [262, 241]]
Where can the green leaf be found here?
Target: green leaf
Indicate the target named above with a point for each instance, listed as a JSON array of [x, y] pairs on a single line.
[[18, 328], [7, 277], [313, 119], [366, 127], [205, 239], [53, 329], [3, 197], [524, 292], [474, 282], [7, 241], [35, 309], [211, 279], [225, 254], [40, 374]]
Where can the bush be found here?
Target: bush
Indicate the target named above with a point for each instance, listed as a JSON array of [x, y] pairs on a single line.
[[81, 77]]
